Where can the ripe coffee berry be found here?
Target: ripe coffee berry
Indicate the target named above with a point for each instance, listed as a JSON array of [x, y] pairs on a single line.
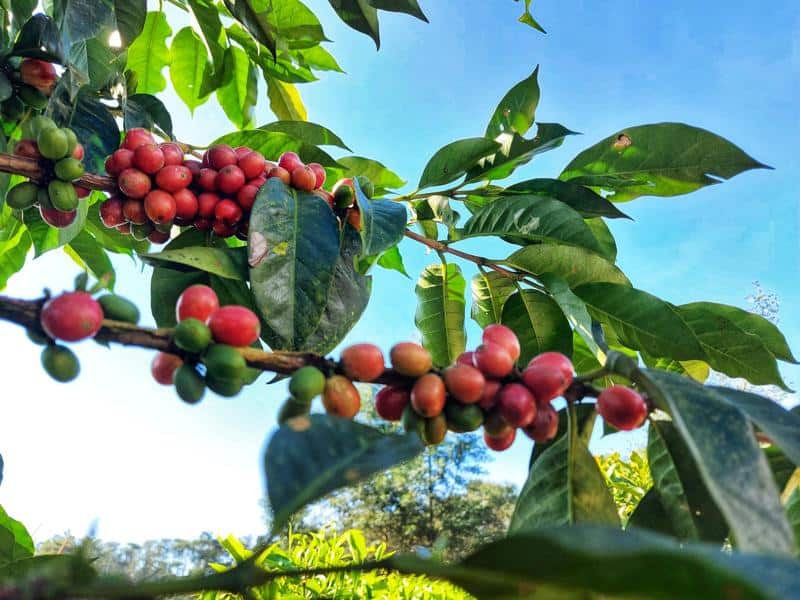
[[242, 151], [173, 155], [319, 173], [281, 174], [148, 158], [111, 212], [134, 183], [555, 361], [544, 382], [230, 179], [390, 402], [119, 161], [622, 407], [428, 395], [503, 336], [27, 148], [303, 178], [500, 443], [362, 362], [173, 178], [72, 316], [220, 156], [196, 302], [290, 161], [341, 398], [464, 383], [516, 404], [195, 166], [466, 358], [185, 205], [490, 390], [493, 360], [410, 359], [246, 196], [228, 212], [234, 325], [252, 164], [160, 206], [544, 426], [206, 203], [134, 211], [207, 179], [222, 229], [158, 237], [137, 137], [164, 366], [56, 218]]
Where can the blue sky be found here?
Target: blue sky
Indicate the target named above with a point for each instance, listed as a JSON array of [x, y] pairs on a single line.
[[116, 448]]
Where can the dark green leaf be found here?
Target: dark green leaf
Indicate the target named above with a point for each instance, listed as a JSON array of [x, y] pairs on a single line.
[[516, 111], [383, 222], [130, 15], [309, 457], [409, 7], [574, 310], [650, 514], [84, 19], [5, 88], [238, 93], [456, 158], [40, 38], [604, 237], [294, 249], [15, 541], [254, 15], [539, 324], [149, 54], [575, 265], [584, 200], [532, 219], [308, 132], [663, 159], [230, 263], [440, 312], [189, 69], [490, 290], [145, 110], [272, 144], [379, 175], [94, 125], [208, 19], [359, 15]]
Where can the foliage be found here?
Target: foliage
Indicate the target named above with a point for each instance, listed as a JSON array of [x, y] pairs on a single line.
[[629, 480]]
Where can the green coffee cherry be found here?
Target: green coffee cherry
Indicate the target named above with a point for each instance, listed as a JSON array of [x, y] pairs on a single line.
[[192, 335], [37, 337], [118, 308], [412, 422], [462, 418], [344, 197], [306, 384], [140, 232], [23, 195], [53, 143], [72, 140], [224, 387], [189, 384], [60, 363], [225, 362], [68, 169], [292, 408], [62, 195], [33, 127]]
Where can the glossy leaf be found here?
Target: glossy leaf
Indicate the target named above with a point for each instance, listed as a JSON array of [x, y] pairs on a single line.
[[490, 290], [40, 38], [453, 160], [575, 265], [409, 7], [91, 254], [574, 310], [662, 159], [15, 541], [83, 19], [733, 467], [189, 68], [130, 16], [285, 101], [12, 255], [254, 16], [310, 133], [440, 312], [309, 457], [149, 54], [380, 176], [273, 144], [532, 219], [238, 93], [230, 263], [294, 247], [604, 237], [383, 222], [359, 15], [583, 199], [95, 127], [539, 324], [296, 24], [145, 110], [393, 261], [517, 110], [208, 18]]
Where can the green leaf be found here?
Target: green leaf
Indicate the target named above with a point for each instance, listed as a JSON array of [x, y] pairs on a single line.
[[564, 487], [359, 15], [12, 255], [539, 324], [527, 18], [309, 457], [575, 265], [732, 465], [130, 16], [453, 160], [145, 110], [285, 101], [409, 7], [584, 200], [40, 38], [308, 132], [294, 248], [189, 68], [149, 54], [490, 291], [532, 219], [781, 425], [604, 237], [317, 58], [516, 151], [46, 238], [574, 310], [381, 177], [254, 20], [273, 144], [642, 321], [296, 24], [84, 19], [393, 261], [91, 254], [517, 110], [729, 349], [15, 541], [230, 263], [238, 93], [383, 222], [207, 15], [168, 283], [793, 512], [5, 88], [440, 312], [663, 159]]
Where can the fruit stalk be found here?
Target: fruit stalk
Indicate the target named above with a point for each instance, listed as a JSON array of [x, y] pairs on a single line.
[[29, 168]]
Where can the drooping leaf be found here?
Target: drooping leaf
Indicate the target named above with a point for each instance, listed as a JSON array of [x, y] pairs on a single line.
[[93, 256], [409, 7], [296, 25], [40, 38], [662, 159], [383, 222], [238, 93], [309, 457], [12, 255], [517, 110], [317, 58], [574, 310], [310, 133], [575, 265], [15, 541], [272, 144], [130, 16], [532, 219], [539, 324], [393, 260], [440, 312], [230, 263], [294, 248], [189, 69], [359, 15], [149, 54], [285, 101], [145, 110], [604, 237], [254, 16], [490, 290], [208, 18], [453, 160], [583, 199], [380, 176]]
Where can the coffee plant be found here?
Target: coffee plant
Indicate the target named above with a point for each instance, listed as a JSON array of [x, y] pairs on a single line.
[[270, 242]]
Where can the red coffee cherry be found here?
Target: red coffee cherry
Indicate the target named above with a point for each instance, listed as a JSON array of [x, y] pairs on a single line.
[[160, 207], [164, 366], [555, 361], [501, 443], [56, 218], [158, 237], [207, 179], [148, 158], [111, 212], [354, 217], [303, 178], [622, 407], [202, 224], [173, 178], [340, 397], [410, 359], [137, 137], [124, 228], [490, 390], [428, 395], [81, 191], [246, 196], [119, 161], [362, 362], [319, 173], [505, 337], [72, 316], [134, 211], [258, 181], [493, 360], [290, 161], [27, 148], [133, 183], [281, 174], [206, 203], [173, 155], [230, 179], [242, 151], [185, 205], [516, 404], [390, 402], [228, 212], [465, 383], [544, 426], [222, 229], [466, 358], [39, 74], [196, 302], [194, 166], [234, 325], [544, 382], [252, 164], [220, 156]]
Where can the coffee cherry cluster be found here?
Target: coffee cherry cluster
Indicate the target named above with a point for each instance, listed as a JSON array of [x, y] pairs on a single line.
[[59, 155], [159, 187], [32, 82], [72, 317], [209, 337]]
